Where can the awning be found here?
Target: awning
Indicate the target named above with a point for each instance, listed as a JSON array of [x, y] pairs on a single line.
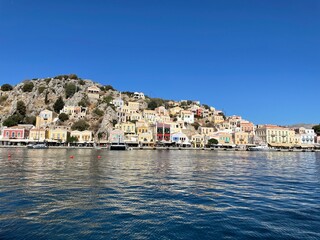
[[287, 145]]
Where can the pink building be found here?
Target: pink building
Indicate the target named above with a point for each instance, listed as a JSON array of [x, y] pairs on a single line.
[[15, 132]]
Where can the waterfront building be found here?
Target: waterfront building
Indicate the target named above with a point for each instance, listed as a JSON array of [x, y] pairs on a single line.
[[82, 136], [180, 139], [275, 135], [58, 134], [116, 136], [163, 132], [37, 134], [15, 132], [240, 138], [128, 128], [146, 139], [306, 136], [223, 137], [198, 141]]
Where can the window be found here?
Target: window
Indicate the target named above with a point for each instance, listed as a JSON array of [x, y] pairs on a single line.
[[12, 135]]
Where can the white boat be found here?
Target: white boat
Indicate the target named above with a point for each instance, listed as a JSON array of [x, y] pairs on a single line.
[[37, 146], [261, 148]]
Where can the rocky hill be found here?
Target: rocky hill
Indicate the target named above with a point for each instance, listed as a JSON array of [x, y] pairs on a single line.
[[41, 94]]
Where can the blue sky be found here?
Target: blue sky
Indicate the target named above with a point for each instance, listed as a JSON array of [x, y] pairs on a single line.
[[259, 59]]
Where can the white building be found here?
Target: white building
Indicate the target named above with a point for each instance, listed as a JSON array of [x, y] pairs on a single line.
[[138, 95], [180, 139], [306, 135], [187, 116]]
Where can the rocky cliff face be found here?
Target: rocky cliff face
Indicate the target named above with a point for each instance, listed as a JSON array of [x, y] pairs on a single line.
[[45, 92]]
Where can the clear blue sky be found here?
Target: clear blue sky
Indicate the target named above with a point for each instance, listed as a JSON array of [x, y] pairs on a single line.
[[258, 58]]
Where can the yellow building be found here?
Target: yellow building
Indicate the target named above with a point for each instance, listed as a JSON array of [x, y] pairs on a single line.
[[135, 116], [82, 136], [206, 130], [198, 141], [276, 136], [149, 115], [240, 138], [142, 129], [175, 110], [127, 128], [45, 117], [223, 138], [37, 134], [146, 139], [217, 119], [58, 134], [134, 106]]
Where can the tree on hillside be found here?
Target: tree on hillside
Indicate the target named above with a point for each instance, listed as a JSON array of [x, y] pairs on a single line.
[[21, 108], [63, 117], [73, 76], [80, 125], [213, 141], [13, 120], [27, 87], [206, 106], [316, 129], [58, 105], [30, 120], [46, 100], [70, 90], [6, 87], [84, 102], [152, 105]]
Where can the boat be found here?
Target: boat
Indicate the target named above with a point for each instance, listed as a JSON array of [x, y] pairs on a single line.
[[37, 146], [261, 148], [118, 146]]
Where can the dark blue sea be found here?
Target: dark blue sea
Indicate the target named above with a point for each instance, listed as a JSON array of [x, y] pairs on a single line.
[[100, 194]]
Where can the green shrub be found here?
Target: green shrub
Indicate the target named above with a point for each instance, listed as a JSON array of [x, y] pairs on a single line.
[[98, 112], [63, 117], [41, 89], [58, 105], [27, 87], [3, 99], [80, 125], [6, 87], [70, 90]]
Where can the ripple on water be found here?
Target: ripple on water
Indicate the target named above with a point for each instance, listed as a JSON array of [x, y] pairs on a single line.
[[159, 195]]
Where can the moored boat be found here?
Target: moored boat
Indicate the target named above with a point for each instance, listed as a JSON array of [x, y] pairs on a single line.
[[261, 148], [37, 146], [118, 146]]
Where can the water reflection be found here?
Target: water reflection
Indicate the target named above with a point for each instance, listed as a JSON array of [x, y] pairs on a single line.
[[158, 194]]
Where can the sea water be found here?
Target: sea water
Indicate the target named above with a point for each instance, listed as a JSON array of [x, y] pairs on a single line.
[[158, 194]]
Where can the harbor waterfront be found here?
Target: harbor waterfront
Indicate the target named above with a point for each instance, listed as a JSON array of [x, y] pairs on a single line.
[[100, 194]]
